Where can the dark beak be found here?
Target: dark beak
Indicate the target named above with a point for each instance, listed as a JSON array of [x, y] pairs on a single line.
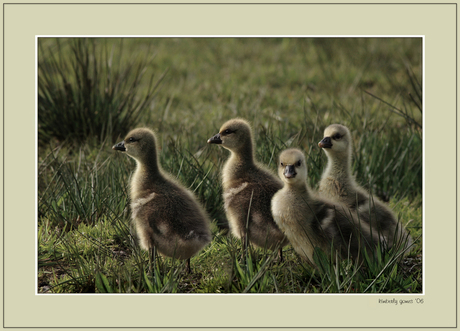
[[325, 143], [120, 146], [215, 139], [289, 171]]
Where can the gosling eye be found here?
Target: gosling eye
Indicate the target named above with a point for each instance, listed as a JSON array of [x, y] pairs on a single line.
[[228, 131], [282, 164], [131, 139], [298, 163], [337, 136]]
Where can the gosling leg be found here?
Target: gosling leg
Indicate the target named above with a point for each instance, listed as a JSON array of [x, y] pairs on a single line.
[[280, 254], [150, 259], [189, 269], [152, 255]]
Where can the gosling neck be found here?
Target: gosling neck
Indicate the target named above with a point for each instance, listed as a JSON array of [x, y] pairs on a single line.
[[148, 165], [243, 155], [146, 176], [238, 165], [299, 187], [339, 166]]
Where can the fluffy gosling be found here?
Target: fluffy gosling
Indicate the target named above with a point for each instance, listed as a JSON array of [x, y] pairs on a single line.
[[248, 188], [338, 184], [166, 215], [311, 222]]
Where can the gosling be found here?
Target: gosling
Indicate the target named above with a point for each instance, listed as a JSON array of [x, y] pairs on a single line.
[[338, 184], [248, 188], [166, 215], [310, 222]]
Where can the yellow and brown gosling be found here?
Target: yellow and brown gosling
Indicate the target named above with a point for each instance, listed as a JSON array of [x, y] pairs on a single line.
[[167, 216], [248, 188], [311, 222], [338, 184]]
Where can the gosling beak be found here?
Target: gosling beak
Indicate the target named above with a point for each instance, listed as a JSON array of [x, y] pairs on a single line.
[[120, 146], [215, 139], [325, 143], [289, 171]]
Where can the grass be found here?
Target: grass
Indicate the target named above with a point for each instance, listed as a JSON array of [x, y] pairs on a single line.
[[88, 92], [289, 89]]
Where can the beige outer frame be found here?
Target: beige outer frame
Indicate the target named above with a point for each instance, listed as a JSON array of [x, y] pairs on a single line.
[[24, 308]]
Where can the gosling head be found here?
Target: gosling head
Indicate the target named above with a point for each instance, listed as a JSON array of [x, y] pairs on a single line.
[[337, 140], [234, 135], [138, 143], [292, 167]]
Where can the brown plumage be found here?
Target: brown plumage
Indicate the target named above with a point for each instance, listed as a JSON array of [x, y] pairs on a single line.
[[338, 184], [311, 222], [248, 188], [166, 215]]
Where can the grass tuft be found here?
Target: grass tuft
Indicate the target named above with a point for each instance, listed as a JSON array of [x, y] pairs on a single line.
[[84, 90]]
